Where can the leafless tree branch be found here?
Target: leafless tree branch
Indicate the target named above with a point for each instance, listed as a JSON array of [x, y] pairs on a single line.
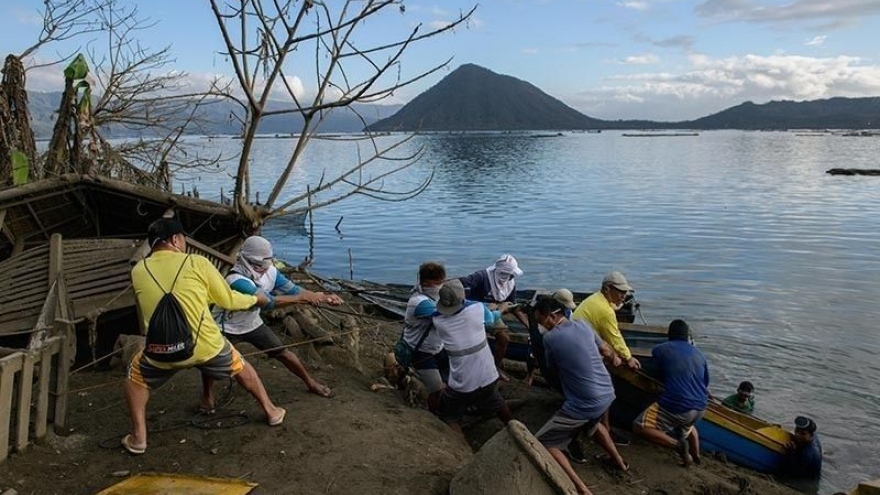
[[271, 42]]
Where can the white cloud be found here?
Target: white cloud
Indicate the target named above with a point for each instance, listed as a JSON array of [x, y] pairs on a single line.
[[27, 17], [834, 13], [46, 78], [645, 59], [634, 5], [816, 41], [530, 51], [438, 24], [713, 84]]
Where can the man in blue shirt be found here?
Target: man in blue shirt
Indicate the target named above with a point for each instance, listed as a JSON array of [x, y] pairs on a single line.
[[804, 459], [574, 353], [685, 375]]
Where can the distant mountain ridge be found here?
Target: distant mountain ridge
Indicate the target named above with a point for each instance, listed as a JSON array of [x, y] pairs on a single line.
[[219, 118], [474, 98], [831, 113]]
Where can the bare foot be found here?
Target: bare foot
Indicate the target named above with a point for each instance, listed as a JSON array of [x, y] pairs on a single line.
[[320, 389]]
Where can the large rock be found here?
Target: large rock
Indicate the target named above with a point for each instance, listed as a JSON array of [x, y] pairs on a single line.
[[512, 462]]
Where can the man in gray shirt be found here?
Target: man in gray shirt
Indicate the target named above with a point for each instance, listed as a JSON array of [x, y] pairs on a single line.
[[574, 351]]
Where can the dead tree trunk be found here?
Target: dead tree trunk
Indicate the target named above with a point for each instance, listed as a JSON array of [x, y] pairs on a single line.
[[15, 123]]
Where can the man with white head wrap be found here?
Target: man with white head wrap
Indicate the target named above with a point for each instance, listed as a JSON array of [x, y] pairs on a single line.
[[496, 286], [254, 272]]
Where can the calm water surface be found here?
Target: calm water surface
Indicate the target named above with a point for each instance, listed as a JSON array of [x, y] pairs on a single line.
[[774, 263]]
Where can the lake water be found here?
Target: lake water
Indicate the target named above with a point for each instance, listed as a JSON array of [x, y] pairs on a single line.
[[774, 263]]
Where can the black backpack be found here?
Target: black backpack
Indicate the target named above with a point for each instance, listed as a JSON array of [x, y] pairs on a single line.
[[169, 337]]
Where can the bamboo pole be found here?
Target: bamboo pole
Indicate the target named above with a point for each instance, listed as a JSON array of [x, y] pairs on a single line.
[[9, 366], [25, 392]]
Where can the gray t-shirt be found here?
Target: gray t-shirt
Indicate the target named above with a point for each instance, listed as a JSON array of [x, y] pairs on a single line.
[[572, 351]]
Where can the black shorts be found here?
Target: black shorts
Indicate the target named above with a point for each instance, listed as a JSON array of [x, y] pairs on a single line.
[[453, 404], [262, 337], [561, 429]]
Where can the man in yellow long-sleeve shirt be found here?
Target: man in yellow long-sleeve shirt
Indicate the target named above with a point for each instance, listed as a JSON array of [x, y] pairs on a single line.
[[196, 284], [599, 311]]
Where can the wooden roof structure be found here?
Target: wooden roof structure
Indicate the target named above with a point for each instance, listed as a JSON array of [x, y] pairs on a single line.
[[67, 246], [82, 278], [87, 206]]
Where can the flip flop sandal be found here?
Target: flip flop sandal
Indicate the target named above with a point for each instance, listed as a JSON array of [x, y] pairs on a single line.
[[280, 419], [131, 448], [205, 411]]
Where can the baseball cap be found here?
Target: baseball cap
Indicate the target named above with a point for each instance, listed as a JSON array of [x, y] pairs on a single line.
[[163, 229], [565, 297], [618, 281], [451, 297]]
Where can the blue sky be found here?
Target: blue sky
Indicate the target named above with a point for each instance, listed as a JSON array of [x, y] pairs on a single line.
[[653, 59]]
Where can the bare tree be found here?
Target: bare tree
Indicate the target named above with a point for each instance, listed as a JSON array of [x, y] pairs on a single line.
[[270, 42], [63, 20], [140, 93], [131, 89]]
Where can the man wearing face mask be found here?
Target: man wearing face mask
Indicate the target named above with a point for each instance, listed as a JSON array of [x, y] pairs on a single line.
[[255, 273], [419, 333], [575, 354], [599, 311], [496, 286]]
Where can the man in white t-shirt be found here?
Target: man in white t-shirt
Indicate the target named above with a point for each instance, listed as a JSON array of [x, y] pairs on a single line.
[[254, 273], [473, 377]]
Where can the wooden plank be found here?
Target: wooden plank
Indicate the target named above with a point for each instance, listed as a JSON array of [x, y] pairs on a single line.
[[202, 249], [25, 392], [2, 221], [9, 366], [86, 306], [106, 293], [98, 279], [28, 270], [56, 257], [12, 362], [84, 269], [25, 297], [19, 326], [61, 382]]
